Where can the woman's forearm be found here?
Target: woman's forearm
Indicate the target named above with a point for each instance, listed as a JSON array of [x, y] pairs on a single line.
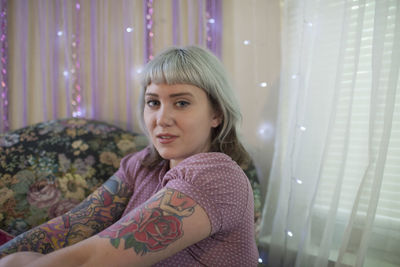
[[20, 259], [39, 239], [101, 209], [59, 258], [76, 255]]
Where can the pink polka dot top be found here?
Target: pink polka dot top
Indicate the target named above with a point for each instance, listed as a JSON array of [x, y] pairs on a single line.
[[220, 187]]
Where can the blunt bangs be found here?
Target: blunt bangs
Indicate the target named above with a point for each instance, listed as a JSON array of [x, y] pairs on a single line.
[[176, 66]]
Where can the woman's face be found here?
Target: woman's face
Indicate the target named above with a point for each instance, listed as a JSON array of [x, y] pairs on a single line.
[[179, 119]]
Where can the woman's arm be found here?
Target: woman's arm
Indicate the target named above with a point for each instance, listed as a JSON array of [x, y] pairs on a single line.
[[98, 211], [162, 226], [19, 259]]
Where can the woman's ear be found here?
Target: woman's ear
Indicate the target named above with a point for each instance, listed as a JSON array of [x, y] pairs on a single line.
[[216, 120]]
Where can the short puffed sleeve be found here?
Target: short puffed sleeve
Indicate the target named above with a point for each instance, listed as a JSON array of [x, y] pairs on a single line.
[[217, 184]]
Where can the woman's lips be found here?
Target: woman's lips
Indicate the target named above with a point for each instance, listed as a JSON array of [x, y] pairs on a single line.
[[166, 138]]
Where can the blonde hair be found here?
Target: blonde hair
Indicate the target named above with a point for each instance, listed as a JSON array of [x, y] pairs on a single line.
[[196, 66]]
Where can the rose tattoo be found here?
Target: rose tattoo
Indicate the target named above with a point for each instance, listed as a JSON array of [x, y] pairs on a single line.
[[153, 226]]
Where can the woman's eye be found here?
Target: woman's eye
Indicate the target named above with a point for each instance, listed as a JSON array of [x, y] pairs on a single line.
[[152, 103], [182, 104]]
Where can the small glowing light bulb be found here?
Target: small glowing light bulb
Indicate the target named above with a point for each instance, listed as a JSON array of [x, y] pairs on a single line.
[[302, 128], [211, 21], [59, 33], [263, 84], [299, 181], [246, 42], [294, 76], [65, 73], [260, 260], [129, 29], [289, 233]]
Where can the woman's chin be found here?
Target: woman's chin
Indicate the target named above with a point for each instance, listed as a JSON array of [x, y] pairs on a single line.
[[172, 157], [166, 154]]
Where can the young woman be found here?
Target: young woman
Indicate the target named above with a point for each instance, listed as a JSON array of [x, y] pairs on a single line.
[[183, 201]]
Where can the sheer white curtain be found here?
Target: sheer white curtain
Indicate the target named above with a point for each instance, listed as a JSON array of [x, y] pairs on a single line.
[[334, 190]]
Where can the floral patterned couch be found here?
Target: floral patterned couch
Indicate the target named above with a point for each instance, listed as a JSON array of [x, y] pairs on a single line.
[[48, 168]]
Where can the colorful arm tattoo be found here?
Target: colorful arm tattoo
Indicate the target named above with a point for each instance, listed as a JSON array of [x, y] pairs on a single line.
[[154, 225], [98, 211]]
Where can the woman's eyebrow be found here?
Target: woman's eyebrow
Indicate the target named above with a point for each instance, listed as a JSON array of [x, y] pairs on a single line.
[[150, 94], [171, 95], [181, 94]]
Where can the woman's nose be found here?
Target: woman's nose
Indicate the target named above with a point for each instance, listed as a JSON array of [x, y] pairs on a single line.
[[165, 116]]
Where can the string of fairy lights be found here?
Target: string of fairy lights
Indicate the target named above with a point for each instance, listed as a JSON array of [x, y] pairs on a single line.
[[214, 26], [4, 64], [76, 65], [299, 77], [149, 34]]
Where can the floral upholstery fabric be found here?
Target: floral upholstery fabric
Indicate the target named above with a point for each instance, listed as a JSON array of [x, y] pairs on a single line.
[[48, 168]]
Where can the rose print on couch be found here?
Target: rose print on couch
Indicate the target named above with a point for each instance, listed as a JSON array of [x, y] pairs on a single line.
[[43, 194], [153, 226]]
